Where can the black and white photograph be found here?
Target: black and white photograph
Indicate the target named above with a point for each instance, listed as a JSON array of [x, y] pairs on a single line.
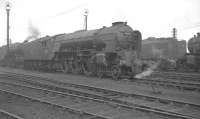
[[99, 59]]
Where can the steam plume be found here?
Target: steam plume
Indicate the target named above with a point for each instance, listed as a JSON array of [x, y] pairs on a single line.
[[149, 71], [157, 53], [34, 32]]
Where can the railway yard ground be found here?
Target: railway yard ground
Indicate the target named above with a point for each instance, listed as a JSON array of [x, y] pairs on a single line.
[[40, 95]]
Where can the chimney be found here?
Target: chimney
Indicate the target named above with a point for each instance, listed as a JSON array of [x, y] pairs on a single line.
[[119, 23], [174, 33], [198, 35]]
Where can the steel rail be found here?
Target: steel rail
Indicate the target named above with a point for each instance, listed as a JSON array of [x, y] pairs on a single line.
[[93, 116], [10, 115], [120, 93]]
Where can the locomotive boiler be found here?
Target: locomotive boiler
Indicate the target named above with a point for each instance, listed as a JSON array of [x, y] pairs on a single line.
[[108, 51]]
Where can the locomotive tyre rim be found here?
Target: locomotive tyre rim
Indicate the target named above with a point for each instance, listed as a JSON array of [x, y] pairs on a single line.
[[115, 73]]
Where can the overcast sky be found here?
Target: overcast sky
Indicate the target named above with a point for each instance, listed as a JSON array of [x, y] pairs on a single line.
[[154, 18]]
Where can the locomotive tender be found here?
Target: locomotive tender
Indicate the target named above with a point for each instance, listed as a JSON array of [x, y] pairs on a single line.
[[112, 51]]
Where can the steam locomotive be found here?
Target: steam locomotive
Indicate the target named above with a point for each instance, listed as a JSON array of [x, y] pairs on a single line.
[[109, 51], [193, 57], [191, 61]]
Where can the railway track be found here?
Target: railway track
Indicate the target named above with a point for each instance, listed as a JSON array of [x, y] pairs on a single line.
[[181, 85], [12, 96], [153, 104], [100, 108], [178, 76]]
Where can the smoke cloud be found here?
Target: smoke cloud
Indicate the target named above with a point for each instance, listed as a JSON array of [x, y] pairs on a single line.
[[33, 31]]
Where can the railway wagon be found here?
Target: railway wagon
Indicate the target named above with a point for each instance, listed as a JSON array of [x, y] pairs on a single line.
[[113, 51], [168, 48], [166, 51]]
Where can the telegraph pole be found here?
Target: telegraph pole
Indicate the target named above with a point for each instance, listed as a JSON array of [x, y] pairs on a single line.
[[8, 25], [85, 21]]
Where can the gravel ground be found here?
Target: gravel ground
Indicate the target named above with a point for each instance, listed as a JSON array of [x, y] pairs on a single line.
[[177, 108], [82, 104], [123, 86], [32, 109], [5, 115]]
